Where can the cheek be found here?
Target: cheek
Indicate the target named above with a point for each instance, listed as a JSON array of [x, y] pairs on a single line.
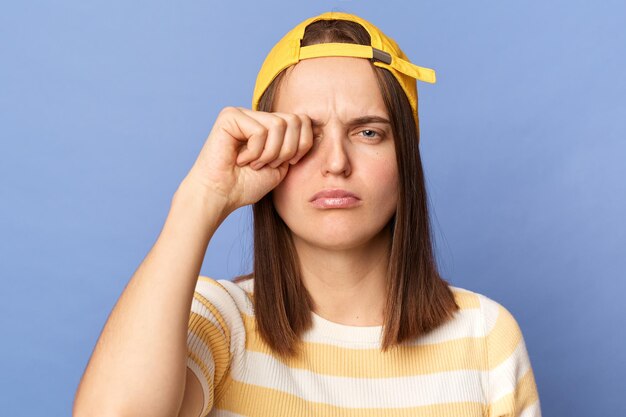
[[384, 188], [290, 189], [385, 176]]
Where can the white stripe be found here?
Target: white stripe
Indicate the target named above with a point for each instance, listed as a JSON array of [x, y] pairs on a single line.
[[239, 294], [491, 310], [398, 392], [466, 323], [459, 289], [247, 285]]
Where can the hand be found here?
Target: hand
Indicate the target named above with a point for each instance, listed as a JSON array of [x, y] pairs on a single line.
[[240, 139]]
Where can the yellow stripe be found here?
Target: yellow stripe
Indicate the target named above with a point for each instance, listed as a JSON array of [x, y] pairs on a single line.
[[459, 354], [209, 279], [525, 395], [327, 359], [215, 312], [503, 338], [247, 399], [466, 300]]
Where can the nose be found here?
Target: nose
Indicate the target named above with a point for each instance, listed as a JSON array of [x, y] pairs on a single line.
[[334, 153]]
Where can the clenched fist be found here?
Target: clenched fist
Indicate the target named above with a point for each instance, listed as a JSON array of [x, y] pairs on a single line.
[[248, 153]]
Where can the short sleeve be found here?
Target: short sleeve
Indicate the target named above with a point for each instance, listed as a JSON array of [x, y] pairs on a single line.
[[214, 321], [512, 391]]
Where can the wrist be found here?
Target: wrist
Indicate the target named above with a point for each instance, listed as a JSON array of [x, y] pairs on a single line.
[[203, 205]]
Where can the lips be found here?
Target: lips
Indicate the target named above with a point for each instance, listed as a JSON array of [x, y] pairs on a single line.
[[334, 193], [335, 199]]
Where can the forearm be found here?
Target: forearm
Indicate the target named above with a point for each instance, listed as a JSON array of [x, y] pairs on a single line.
[[138, 365]]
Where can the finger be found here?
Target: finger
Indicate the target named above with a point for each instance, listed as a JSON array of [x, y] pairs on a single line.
[[305, 142], [254, 150], [281, 143], [277, 129], [240, 125], [290, 141], [299, 139], [244, 128]]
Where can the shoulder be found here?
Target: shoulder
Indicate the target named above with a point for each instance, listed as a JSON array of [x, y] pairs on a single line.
[[223, 305], [495, 316], [507, 356], [224, 294], [511, 382]]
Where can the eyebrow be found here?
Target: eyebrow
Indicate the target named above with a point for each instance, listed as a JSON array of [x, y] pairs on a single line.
[[356, 121]]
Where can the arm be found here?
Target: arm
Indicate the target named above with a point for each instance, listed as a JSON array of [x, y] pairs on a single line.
[[138, 367]]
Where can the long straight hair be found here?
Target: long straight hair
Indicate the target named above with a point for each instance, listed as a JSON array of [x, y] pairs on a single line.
[[418, 298]]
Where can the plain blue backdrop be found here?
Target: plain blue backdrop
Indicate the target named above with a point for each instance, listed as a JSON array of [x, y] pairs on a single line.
[[104, 106]]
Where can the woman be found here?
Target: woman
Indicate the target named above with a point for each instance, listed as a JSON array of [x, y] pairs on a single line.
[[345, 313]]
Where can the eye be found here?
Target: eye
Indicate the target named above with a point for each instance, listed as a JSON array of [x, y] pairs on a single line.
[[370, 134]]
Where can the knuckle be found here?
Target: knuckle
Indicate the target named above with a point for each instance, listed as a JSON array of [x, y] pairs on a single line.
[[228, 110], [271, 153], [289, 148], [279, 123], [307, 141], [260, 130], [305, 119], [289, 155], [294, 120]]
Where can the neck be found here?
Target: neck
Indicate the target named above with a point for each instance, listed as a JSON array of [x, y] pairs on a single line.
[[347, 286]]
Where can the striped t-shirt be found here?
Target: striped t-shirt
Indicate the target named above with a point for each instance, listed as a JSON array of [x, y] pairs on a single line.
[[473, 365]]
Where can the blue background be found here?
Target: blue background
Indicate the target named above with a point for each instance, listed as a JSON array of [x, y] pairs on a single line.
[[104, 106]]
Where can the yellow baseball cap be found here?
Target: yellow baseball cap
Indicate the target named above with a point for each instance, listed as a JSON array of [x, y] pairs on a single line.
[[383, 51]]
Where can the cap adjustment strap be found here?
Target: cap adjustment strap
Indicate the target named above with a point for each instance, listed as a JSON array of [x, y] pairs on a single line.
[[367, 51]]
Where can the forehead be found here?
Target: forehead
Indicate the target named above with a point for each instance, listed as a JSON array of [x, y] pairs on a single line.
[[344, 85]]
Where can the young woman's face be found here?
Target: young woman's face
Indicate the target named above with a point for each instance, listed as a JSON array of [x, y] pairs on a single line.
[[355, 156]]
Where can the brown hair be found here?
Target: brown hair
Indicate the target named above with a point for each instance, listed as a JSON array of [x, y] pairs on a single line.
[[419, 299]]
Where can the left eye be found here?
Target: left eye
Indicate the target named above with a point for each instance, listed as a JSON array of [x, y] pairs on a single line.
[[370, 133]]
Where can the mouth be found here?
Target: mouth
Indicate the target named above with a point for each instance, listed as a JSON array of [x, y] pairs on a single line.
[[335, 198], [343, 202]]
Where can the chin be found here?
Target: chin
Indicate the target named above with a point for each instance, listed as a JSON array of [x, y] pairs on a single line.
[[338, 234], [334, 241]]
